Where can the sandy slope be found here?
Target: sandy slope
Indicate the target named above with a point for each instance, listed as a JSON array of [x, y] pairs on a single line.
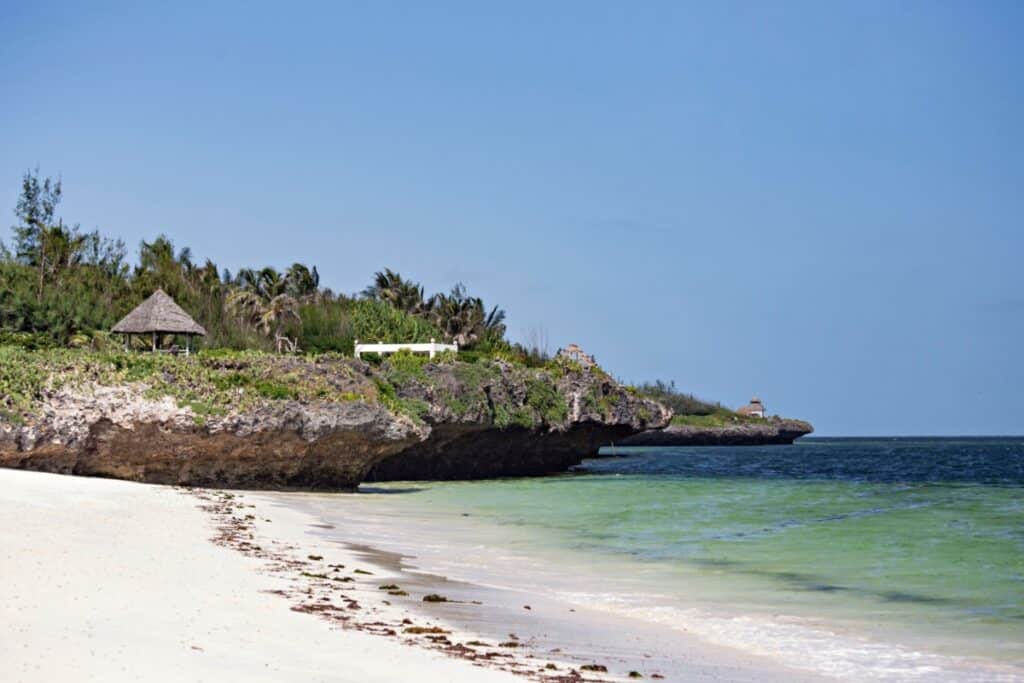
[[110, 581]]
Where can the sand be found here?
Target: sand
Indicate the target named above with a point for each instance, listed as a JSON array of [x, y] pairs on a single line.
[[115, 581]]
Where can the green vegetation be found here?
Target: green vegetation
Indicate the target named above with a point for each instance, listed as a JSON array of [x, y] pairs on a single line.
[[543, 396], [211, 383], [722, 417], [680, 403], [63, 287]]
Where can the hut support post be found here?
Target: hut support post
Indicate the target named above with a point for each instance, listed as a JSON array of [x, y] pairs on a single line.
[[188, 345], [154, 342]]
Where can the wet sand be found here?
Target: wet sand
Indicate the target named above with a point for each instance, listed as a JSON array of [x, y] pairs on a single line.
[[545, 630]]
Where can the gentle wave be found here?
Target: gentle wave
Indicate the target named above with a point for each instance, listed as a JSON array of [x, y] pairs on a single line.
[[800, 644]]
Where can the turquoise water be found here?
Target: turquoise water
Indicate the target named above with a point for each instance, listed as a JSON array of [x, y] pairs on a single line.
[[859, 558]]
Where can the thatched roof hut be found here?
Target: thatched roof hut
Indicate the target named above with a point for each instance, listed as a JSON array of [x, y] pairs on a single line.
[[157, 315]]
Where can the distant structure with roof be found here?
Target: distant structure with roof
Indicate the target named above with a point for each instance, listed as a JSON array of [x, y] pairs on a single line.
[[753, 409], [574, 353], [156, 316]]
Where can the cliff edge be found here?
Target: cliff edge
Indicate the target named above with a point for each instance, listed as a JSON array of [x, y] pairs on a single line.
[[250, 420], [749, 432]]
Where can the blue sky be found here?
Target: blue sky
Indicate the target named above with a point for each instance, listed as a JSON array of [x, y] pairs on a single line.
[[818, 203]]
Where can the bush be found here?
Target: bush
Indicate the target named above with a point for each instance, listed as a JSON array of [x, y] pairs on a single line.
[[542, 396], [680, 403], [374, 321], [30, 341], [326, 327]]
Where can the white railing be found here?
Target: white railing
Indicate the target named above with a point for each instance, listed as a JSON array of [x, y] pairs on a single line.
[[432, 348]]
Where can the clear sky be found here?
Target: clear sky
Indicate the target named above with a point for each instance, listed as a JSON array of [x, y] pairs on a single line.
[[816, 202]]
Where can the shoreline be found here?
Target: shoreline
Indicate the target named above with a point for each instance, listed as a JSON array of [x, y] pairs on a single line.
[[109, 580], [112, 580], [445, 546], [104, 578], [520, 631]]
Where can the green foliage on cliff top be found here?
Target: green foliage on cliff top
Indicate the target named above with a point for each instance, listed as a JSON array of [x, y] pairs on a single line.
[[681, 403], [508, 394], [214, 382], [543, 396], [721, 417]]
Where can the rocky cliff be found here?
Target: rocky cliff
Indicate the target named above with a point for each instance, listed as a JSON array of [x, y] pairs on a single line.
[[256, 421], [505, 420], [746, 433]]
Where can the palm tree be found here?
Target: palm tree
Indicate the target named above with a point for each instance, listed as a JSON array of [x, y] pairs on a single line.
[[301, 282], [405, 295], [262, 299], [159, 266], [266, 315], [463, 319], [494, 325]]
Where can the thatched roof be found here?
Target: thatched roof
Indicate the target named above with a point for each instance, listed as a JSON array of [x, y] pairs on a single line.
[[160, 314], [755, 407]]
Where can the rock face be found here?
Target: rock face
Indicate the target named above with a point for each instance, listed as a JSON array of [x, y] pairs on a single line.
[[474, 445], [443, 421], [762, 432], [117, 432]]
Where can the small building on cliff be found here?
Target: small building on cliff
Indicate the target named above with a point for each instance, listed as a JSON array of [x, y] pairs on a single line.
[[574, 353], [753, 409]]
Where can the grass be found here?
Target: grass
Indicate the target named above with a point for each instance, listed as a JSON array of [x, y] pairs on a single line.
[[721, 417], [542, 396], [210, 384], [216, 383]]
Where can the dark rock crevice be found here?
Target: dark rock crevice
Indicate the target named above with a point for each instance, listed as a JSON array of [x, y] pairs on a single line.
[[472, 452]]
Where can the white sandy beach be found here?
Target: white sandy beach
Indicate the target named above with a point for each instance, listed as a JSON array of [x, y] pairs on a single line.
[[113, 581], [109, 580]]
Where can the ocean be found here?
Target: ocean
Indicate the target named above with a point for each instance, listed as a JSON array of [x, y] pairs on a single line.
[[896, 558]]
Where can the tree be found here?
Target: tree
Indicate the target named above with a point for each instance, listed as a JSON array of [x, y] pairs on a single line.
[[405, 295], [262, 300], [464, 319], [159, 266], [301, 282], [36, 208]]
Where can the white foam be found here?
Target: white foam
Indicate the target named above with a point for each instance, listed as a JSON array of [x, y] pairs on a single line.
[[467, 550], [800, 644]]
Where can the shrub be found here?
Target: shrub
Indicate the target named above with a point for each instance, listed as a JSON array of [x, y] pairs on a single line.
[[273, 390], [680, 403], [376, 321], [326, 326], [542, 396]]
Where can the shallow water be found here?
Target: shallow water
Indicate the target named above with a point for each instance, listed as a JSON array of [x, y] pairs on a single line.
[[857, 558]]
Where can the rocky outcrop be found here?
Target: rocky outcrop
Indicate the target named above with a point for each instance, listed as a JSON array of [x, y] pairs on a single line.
[[747, 433], [118, 432], [438, 421], [470, 445]]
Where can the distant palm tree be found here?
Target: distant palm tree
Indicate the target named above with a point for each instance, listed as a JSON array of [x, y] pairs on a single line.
[[463, 318], [262, 299], [160, 266], [301, 282], [405, 295]]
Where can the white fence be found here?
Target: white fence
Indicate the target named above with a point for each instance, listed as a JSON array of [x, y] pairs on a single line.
[[432, 348]]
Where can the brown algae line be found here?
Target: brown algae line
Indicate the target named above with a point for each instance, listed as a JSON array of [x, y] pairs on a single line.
[[349, 596]]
